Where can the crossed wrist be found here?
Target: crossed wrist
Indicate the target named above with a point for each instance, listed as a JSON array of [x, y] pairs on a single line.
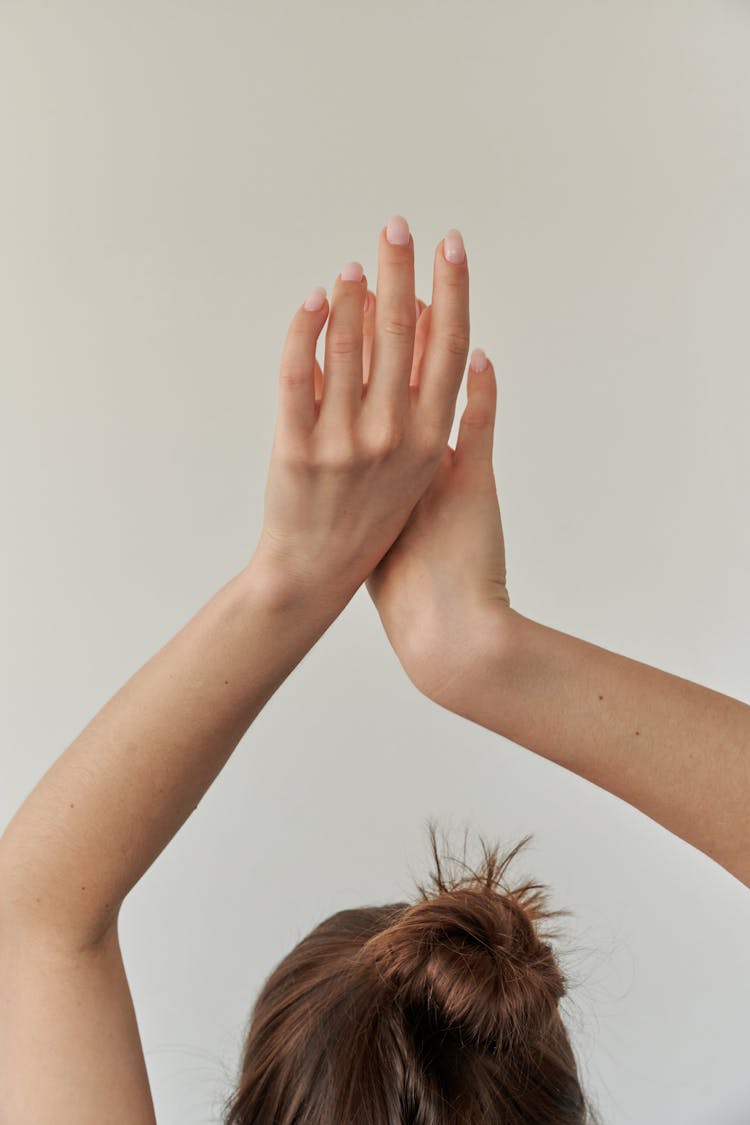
[[283, 586]]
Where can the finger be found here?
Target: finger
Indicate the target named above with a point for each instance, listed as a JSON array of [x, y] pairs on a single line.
[[420, 341], [419, 338], [395, 317], [477, 426], [368, 335], [368, 330], [342, 365], [318, 383], [447, 345], [297, 368]]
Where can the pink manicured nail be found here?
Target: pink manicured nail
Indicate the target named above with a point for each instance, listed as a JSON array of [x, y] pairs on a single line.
[[478, 360], [397, 231], [453, 246], [352, 272], [316, 299]]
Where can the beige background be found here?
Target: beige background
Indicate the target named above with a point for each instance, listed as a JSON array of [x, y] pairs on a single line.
[[175, 177]]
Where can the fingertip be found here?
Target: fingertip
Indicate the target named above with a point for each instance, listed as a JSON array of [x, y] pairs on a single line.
[[481, 374], [396, 232], [454, 250], [450, 257], [478, 360], [317, 300]]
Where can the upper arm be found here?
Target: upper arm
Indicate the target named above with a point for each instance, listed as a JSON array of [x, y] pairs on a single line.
[[70, 1050]]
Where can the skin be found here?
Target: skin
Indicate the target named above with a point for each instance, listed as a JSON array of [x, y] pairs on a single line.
[[346, 470], [361, 488], [676, 750], [344, 474]]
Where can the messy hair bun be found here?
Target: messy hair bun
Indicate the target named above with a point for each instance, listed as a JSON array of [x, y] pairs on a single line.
[[469, 958], [430, 1012]]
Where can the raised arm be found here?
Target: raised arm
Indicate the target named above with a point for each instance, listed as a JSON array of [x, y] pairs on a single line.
[[677, 751], [350, 458]]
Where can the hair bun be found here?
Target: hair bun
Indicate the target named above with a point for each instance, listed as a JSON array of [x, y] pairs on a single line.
[[468, 958]]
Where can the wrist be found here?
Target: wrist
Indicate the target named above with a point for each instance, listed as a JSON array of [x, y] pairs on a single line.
[[481, 661], [282, 589]]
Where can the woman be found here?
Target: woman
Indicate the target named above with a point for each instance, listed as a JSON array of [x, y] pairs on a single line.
[[437, 1011]]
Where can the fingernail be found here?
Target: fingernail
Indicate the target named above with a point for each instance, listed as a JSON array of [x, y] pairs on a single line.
[[316, 299], [453, 246], [397, 231], [352, 272], [478, 360]]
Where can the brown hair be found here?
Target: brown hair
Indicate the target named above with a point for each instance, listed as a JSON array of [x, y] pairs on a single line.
[[436, 1012]]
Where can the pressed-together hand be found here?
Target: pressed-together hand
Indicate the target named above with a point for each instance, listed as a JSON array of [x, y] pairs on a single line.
[[357, 443], [361, 486], [439, 585]]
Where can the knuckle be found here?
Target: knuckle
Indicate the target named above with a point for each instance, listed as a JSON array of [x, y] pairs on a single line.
[[431, 441], [398, 327], [339, 456], [292, 376], [384, 437], [343, 343], [477, 417], [292, 452], [455, 341]]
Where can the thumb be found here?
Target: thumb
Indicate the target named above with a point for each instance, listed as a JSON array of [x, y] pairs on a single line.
[[477, 427]]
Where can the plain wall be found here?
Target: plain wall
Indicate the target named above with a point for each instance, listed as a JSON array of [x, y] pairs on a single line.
[[175, 178]]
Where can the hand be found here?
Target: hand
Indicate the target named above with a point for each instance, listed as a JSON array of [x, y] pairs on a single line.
[[441, 589], [357, 442]]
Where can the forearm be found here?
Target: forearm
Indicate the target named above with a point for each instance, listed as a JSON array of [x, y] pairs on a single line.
[[677, 751], [110, 803]]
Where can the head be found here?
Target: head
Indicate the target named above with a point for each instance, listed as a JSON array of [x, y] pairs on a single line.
[[438, 1011]]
